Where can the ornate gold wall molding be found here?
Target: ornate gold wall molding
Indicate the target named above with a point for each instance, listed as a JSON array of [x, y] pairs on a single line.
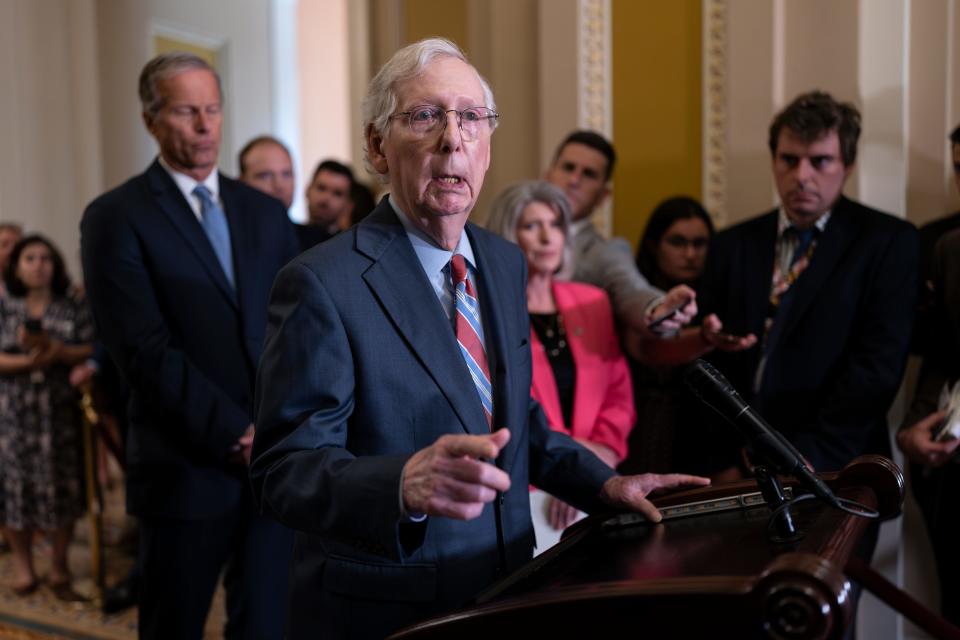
[[715, 14], [595, 81], [595, 63]]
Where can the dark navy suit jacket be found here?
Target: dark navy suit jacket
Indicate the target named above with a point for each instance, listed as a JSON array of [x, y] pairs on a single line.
[[838, 347], [361, 370], [184, 340]]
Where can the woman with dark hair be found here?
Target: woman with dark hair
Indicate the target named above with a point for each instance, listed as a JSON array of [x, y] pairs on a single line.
[[673, 248], [580, 377], [44, 332], [672, 251]]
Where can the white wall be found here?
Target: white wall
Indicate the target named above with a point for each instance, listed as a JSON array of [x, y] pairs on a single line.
[[69, 113], [48, 117], [125, 31], [327, 118]]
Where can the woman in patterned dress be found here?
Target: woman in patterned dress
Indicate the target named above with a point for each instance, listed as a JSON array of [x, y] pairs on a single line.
[[44, 332]]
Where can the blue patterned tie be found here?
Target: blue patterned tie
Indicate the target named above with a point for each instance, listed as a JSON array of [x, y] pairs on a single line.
[[805, 238], [214, 223]]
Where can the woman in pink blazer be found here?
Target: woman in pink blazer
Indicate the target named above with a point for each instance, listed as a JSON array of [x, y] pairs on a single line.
[[580, 376]]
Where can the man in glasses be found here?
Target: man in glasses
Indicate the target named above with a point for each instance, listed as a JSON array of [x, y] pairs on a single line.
[[395, 428]]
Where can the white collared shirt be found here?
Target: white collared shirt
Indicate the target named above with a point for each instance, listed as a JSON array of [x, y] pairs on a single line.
[[186, 184], [435, 260]]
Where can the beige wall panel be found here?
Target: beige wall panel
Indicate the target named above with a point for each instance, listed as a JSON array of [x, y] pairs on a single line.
[[324, 79], [820, 47], [929, 184], [46, 117], [881, 174], [559, 88], [510, 62], [750, 95]]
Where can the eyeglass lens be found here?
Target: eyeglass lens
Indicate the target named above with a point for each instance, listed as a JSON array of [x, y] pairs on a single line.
[[473, 121]]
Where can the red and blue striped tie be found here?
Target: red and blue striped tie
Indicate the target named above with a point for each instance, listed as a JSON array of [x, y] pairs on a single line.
[[468, 334]]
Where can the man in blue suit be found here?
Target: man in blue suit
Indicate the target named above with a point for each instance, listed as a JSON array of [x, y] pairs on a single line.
[[397, 439], [178, 263]]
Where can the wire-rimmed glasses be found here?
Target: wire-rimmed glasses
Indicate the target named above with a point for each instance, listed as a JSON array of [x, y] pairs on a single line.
[[473, 122]]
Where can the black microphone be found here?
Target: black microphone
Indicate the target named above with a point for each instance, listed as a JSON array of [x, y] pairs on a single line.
[[716, 391]]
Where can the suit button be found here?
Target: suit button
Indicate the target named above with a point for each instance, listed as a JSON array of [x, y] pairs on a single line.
[[502, 496]]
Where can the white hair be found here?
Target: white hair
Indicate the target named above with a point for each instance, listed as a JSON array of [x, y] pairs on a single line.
[[409, 62]]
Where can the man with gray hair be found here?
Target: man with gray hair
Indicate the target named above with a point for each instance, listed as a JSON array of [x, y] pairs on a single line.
[[178, 263], [395, 428]]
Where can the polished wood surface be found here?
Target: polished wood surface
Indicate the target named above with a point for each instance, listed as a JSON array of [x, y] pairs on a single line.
[[710, 567]]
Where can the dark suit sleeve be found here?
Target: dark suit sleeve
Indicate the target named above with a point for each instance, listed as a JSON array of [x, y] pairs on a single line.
[[558, 464], [942, 361], [562, 467], [870, 371], [131, 325], [302, 472]]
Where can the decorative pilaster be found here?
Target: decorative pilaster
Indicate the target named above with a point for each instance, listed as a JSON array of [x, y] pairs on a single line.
[[715, 14], [595, 82]]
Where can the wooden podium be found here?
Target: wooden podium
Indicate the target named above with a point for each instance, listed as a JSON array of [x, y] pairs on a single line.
[[708, 568]]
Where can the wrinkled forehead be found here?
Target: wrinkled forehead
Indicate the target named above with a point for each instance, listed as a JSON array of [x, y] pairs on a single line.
[[445, 81]]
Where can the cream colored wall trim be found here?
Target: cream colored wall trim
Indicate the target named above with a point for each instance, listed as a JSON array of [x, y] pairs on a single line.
[[595, 66], [595, 100], [715, 109]]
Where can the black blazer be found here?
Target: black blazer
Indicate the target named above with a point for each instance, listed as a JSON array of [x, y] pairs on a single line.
[[838, 346], [186, 343], [361, 369]]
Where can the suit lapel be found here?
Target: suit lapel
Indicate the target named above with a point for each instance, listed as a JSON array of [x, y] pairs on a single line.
[[758, 252], [176, 208], [244, 261], [831, 246], [399, 283]]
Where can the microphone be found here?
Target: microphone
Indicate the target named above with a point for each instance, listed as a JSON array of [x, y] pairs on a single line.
[[716, 391]]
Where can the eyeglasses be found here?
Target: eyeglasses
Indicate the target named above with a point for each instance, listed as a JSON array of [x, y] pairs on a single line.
[[472, 121], [682, 242]]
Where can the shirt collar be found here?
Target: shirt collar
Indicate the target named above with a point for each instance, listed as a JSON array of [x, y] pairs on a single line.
[[579, 225], [783, 222], [186, 184], [433, 257]]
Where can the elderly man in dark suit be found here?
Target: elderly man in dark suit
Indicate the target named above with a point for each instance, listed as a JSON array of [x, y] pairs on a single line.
[[178, 263], [395, 426]]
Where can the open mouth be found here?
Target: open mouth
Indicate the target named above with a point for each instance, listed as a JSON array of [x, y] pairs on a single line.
[[451, 180]]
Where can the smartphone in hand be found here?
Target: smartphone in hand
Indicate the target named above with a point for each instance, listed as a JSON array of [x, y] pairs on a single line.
[[727, 338], [666, 315]]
